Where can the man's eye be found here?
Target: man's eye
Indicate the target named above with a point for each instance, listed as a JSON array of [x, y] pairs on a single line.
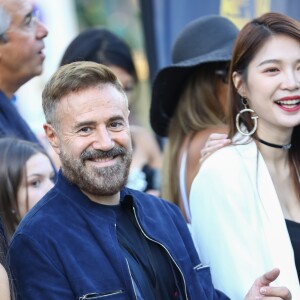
[[116, 124], [31, 18], [85, 129], [28, 20]]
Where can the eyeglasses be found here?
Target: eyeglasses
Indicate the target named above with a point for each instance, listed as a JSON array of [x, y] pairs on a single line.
[[223, 74], [28, 24], [31, 19]]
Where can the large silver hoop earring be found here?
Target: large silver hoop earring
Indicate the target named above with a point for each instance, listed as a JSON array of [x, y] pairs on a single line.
[[237, 119]]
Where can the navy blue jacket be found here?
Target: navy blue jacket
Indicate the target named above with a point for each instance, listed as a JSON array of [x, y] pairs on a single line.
[[11, 122], [66, 247]]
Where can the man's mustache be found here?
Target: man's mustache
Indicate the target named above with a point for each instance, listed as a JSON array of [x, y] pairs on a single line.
[[94, 154]]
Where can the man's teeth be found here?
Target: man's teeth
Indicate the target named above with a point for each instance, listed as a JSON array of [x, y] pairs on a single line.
[[102, 159]]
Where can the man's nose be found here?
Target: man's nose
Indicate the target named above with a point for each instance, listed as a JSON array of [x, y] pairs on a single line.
[[103, 140], [41, 30]]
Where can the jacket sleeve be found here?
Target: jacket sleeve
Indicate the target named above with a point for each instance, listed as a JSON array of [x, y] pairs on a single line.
[[35, 277], [225, 227]]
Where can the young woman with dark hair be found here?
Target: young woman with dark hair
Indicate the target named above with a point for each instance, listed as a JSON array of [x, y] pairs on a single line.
[[245, 200], [26, 175], [189, 101]]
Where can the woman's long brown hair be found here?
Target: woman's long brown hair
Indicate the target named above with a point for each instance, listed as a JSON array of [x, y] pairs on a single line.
[[249, 41]]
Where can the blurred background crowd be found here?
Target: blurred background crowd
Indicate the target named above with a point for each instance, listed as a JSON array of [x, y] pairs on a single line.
[[148, 26], [189, 74]]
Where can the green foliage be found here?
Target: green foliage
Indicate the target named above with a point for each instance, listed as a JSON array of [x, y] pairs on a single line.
[[120, 16]]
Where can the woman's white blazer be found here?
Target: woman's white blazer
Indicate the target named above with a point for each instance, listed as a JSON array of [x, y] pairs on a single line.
[[237, 223]]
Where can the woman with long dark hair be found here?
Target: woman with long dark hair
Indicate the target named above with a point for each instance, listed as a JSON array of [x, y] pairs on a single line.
[[189, 101], [245, 200], [26, 175]]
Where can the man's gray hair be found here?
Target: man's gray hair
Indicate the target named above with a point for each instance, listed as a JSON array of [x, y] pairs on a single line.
[[72, 78], [5, 20]]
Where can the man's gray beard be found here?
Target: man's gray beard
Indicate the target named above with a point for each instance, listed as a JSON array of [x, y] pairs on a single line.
[[104, 181]]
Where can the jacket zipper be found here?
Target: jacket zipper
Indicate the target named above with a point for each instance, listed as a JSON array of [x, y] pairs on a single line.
[[97, 296], [185, 291], [129, 273], [131, 279]]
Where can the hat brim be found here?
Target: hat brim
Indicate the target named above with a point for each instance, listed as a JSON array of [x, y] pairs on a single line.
[[169, 82]]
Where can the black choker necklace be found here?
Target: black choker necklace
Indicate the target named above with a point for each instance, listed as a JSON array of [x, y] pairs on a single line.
[[283, 147]]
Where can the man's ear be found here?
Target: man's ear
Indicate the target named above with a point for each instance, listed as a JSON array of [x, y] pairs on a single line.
[[238, 83], [52, 137]]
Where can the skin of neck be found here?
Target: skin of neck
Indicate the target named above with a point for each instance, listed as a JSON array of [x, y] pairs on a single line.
[[9, 89], [275, 156], [9, 83]]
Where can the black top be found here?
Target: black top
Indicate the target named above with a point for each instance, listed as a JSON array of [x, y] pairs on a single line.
[[154, 274], [294, 232]]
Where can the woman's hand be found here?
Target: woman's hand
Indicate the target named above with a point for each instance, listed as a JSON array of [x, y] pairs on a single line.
[[261, 289], [214, 142]]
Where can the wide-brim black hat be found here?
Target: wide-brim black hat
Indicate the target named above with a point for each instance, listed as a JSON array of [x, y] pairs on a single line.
[[205, 40]]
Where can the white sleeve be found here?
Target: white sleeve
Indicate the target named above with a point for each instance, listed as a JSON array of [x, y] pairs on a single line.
[[225, 227]]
